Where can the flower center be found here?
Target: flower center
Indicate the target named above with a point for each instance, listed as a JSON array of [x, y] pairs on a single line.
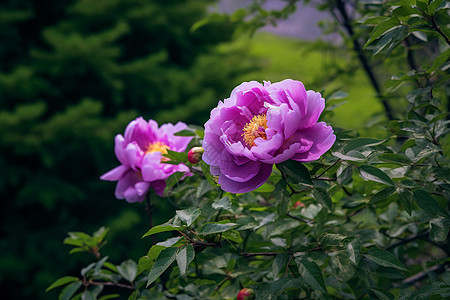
[[255, 129], [157, 147]]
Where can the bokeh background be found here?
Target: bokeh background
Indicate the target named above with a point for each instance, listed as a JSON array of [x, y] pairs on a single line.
[[73, 73]]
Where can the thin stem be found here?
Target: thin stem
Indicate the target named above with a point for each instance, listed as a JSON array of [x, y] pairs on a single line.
[[329, 167], [422, 275]]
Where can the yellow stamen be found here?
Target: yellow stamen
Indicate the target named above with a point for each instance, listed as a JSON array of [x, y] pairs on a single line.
[[255, 129], [158, 147]]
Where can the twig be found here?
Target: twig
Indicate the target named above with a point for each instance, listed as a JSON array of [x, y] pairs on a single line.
[[422, 275], [297, 218], [329, 167], [407, 240], [247, 254], [90, 282]]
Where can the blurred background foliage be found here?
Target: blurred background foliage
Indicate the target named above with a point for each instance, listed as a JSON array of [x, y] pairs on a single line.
[[73, 73]]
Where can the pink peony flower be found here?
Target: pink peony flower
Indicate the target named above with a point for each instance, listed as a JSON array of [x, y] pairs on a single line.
[[140, 153], [262, 125]]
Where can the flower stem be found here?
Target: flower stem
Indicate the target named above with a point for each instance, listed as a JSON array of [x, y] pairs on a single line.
[[149, 210]]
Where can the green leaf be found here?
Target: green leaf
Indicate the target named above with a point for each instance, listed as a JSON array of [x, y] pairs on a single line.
[[311, 274], [177, 156], [381, 29], [405, 198], [353, 249], [161, 228], [434, 6], [439, 61], [279, 264], [428, 204], [438, 231], [382, 294], [351, 156], [61, 281], [212, 228], [281, 196], [233, 236], [223, 203], [189, 215], [164, 260], [271, 290], [184, 257], [383, 194], [394, 158], [296, 171], [69, 290], [322, 196], [384, 258], [112, 296], [211, 18], [185, 132], [361, 142], [128, 270], [374, 174], [172, 180], [88, 295]]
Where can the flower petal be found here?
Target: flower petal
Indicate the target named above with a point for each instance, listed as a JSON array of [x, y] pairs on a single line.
[[322, 138], [115, 174], [231, 186]]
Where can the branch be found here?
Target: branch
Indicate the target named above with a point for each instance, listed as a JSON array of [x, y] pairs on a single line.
[[422, 275], [346, 23], [297, 218], [436, 27]]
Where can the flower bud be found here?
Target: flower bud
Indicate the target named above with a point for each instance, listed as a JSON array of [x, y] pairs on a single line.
[[298, 204], [246, 294], [195, 155]]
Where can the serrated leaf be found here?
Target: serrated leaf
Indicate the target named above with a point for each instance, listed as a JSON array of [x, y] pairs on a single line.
[[361, 142], [169, 242], [184, 257], [172, 180], [384, 258], [296, 171], [381, 29], [322, 196], [69, 290], [189, 215], [128, 270], [212, 228], [233, 236], [161, 228], [353, 249], [428, 204], [163, 261], [62, 281], [223, 203], [394, 158], [383, 194], [374, 174], [311, 274]]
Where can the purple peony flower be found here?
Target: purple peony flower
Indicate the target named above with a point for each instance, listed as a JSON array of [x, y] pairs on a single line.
[[140, 153], [261, 125]]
